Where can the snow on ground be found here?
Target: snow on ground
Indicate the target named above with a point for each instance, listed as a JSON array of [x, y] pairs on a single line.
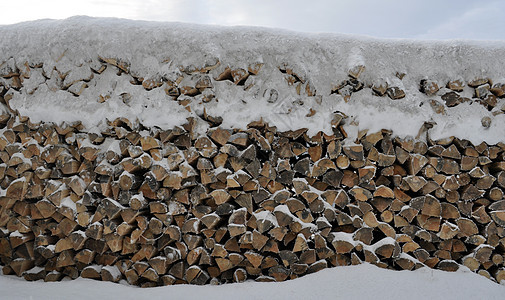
[[352, 282], [157, 50]]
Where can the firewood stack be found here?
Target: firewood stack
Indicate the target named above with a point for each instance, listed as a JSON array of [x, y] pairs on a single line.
[[167, 206], [160, 207]]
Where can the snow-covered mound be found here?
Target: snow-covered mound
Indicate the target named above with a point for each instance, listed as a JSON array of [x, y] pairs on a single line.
[[353, 282], [89, 70]]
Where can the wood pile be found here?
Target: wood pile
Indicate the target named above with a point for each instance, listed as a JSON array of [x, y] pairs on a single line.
[[160, 207]]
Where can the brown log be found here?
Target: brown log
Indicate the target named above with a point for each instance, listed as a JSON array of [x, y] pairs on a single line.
[[415, 183], [360, 194], [110, 273], [17, 189], [95, 231], [128, 181], [495, 194], [500, 275], [46, 208], [480, 215], [149, 142], [498, 217], [66, 258], [92, 272], [431, 207], [19, 266], [415, 163], [470, 192], [137, 202]]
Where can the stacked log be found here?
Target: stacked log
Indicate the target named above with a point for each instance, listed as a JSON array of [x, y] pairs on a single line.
[[159, 207], [166, 206]]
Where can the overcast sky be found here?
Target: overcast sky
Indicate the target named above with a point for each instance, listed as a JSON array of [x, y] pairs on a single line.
[[427, 19]]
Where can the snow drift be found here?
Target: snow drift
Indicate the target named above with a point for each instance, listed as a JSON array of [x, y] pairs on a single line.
[[70, 53]]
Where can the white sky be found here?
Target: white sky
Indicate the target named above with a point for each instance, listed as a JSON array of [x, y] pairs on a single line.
[[426, 19]]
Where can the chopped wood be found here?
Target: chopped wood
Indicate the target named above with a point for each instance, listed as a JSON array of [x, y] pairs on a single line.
[[163, 207]]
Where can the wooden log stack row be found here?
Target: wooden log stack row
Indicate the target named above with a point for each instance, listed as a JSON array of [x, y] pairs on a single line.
[[483, 91], [159, 207], [191, 86]]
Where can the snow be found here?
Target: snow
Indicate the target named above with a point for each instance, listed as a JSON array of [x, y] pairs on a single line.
[[155, 50], [115, 203], [114, 146], [34, 270], [97, 268], [352, 282], [79, 232], [384, 241], [285, 210], [21, 179], [67, 202], [266, 215], [16, 234], [343, 236]]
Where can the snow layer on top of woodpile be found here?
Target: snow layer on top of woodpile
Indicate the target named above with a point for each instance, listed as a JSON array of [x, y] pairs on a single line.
[[75, 48]]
